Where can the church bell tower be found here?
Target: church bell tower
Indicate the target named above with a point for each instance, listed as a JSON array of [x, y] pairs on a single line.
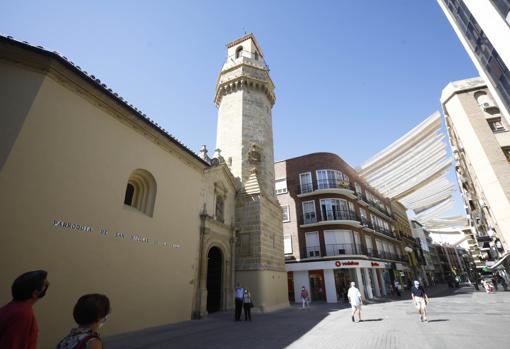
[[245, 97]]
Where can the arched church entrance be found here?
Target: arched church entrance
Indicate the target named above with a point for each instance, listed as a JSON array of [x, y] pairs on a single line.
[[214, 279]]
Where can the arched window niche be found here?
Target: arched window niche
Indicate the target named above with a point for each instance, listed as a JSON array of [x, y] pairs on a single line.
[[239, 51], [220, 194], [141, 191]]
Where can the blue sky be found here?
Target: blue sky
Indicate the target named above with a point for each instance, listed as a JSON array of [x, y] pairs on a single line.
[[351, 76]]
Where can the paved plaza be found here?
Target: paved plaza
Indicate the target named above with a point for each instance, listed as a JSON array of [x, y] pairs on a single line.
[[461, 318]]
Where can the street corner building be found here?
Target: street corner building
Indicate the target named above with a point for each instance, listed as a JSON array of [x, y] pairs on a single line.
[[338, 229], [107, 201]]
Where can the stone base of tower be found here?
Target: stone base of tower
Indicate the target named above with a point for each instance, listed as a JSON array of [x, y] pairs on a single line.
[[260, 263], [268, 288]]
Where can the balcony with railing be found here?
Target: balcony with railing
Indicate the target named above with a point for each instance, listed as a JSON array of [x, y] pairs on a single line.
[[326, 186], [332, 216], [362, 199], [343, 249], [380, 209], [340, 215], [313, 251], [247, 57]]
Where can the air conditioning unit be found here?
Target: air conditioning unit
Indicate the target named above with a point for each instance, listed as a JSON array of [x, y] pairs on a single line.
[[487, 105]]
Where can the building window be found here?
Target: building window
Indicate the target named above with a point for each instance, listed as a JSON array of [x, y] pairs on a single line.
[[280, 186], [239, 51], [287, 244], [496, 125], [256, 56], [286, 213], [220, 208], [506, 151], [309, 215], [503, 7], [339, 242], [130, 191], [357, 187], [327, 179], [305, 181], [337, 209], [363, 216], [313, 248], [141, 191]]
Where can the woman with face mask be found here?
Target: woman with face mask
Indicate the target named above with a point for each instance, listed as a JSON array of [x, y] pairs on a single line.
[[90, 313]]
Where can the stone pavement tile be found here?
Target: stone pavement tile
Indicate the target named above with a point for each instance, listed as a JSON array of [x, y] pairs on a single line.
[[459, 319]]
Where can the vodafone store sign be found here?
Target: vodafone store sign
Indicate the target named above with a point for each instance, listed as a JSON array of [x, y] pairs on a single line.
[[339, 264]]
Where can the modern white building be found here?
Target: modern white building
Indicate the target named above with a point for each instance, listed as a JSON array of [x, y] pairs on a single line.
[[480, 140], [483, 27]]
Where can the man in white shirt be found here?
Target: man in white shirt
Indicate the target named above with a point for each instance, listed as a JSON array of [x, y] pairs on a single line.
[[354, 296]]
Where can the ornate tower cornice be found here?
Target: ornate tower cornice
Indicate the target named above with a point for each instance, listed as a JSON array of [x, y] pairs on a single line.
[[244, 68]]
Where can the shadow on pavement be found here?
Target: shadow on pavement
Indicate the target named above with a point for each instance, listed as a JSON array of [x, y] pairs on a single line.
[[439, 320], [220, 330], [367, 320]]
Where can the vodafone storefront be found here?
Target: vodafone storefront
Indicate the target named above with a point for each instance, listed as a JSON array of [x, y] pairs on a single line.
[[330, 280]]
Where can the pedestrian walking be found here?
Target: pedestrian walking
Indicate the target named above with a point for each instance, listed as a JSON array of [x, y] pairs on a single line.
[[305, 298], [420, 300], [354, 296], [397, 288], [90, 313], [495, 282], [239, 295], [18, 325], [247, 305], [488, 286]]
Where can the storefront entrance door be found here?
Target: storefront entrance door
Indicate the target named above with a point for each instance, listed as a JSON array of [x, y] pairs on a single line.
[[343, 279], [317, 285]]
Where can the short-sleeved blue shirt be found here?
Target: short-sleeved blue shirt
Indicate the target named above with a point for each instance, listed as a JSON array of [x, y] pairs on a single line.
[[418, 291]]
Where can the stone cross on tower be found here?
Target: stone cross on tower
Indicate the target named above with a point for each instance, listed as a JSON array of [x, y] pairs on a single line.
[[245, 97]]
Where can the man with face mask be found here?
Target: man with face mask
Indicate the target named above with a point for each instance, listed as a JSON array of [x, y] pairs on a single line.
[[420, 300], [18, 326]]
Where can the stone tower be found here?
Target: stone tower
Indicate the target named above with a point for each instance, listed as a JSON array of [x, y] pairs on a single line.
[[245, 97]]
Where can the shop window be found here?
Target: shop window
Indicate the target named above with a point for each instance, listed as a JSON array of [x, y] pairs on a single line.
[[141, 191]]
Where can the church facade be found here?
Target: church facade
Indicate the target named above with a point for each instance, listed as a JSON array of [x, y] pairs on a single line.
[[106, 201]]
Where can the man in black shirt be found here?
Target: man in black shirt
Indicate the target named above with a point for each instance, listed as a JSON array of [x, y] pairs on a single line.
[[420, 300]]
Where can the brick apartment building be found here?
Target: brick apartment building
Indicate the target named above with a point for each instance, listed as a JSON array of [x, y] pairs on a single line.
[[337, 229]]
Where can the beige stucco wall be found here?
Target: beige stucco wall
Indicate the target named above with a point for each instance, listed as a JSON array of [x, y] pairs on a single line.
[[70, 161]]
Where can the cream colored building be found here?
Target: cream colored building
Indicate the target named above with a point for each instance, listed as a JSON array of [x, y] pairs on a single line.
[[483, 28], [481, 145], [106, 201]]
